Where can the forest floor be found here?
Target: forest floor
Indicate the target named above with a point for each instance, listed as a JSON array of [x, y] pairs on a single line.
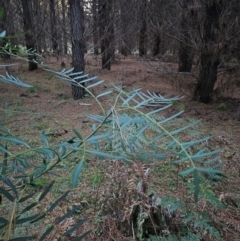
[[48, 106]]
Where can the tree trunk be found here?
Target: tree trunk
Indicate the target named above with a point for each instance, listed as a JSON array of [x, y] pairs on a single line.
[[95, 27], [54, 35], [3, 26], [125, 25], [106, 32], [143, 29], [210, 52], [27, 22], [76, 17], [207, 77], [185, 53], [64, 26], [156, 44]]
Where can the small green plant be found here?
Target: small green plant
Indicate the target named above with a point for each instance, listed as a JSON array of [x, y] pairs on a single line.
[[95, 179], [222, 107], [33, 89], [18, 102], [41, 125], [65, 97]]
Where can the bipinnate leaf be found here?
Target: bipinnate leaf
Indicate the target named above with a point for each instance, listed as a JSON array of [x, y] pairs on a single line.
[[71, 230], [76, 172], [24, 238], [26, 197], [11, 185], [104, 93], [6, 194], [3, 222], [44, 138], [209, 171], [22, 161], [29, 207], [14, 140], [16, 168], [24, 220], [45, 234], [3, 129], [4, 149], [45, 192], [86, 80], [77, 134], [5, 163], [54, 205], [196, 185], [95, 84], [82, 236], [45, 151], [39, 218], [187, 171], [104, 154], [67, 214]]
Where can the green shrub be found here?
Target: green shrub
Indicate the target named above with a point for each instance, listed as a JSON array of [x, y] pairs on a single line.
[[136, 131]]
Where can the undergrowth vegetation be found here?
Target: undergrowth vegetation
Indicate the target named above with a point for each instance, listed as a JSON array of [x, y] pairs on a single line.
[[142, 154]]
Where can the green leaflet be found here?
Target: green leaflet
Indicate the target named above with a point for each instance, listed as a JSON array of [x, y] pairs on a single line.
[[76, 172]]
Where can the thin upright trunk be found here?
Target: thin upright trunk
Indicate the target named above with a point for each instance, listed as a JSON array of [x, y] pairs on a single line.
[[106, 32], [27, 22], [210, 52], [156, 44], [54, 35], [76, 17], [143, 29], [3, 26], [95, 27], [64, 26], [185, 53]]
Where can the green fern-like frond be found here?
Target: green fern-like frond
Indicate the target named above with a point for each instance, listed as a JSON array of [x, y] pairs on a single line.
[[10, 79], [138, 134]]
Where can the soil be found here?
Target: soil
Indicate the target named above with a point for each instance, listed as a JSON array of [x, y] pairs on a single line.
[[48, 106]]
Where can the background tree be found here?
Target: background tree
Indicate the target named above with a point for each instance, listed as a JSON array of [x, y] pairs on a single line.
[[4, 8], [186, 48], [106, 27], [218, 30], [95, 31], [64, 28], [126, 25], [143, 28], [54, 30], [76, 16], [29, 39]]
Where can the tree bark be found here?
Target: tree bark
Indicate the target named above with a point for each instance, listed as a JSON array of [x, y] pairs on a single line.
[[156, 44], [3, 26], [27, 22], [95, 27], [76, 18], [207, 77], [64, 26], [54, 35], [143, 29], [185, 53], [125, 22], [106, 32], [210, 52]]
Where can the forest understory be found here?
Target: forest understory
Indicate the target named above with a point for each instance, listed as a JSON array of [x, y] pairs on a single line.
[[48, 106]]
